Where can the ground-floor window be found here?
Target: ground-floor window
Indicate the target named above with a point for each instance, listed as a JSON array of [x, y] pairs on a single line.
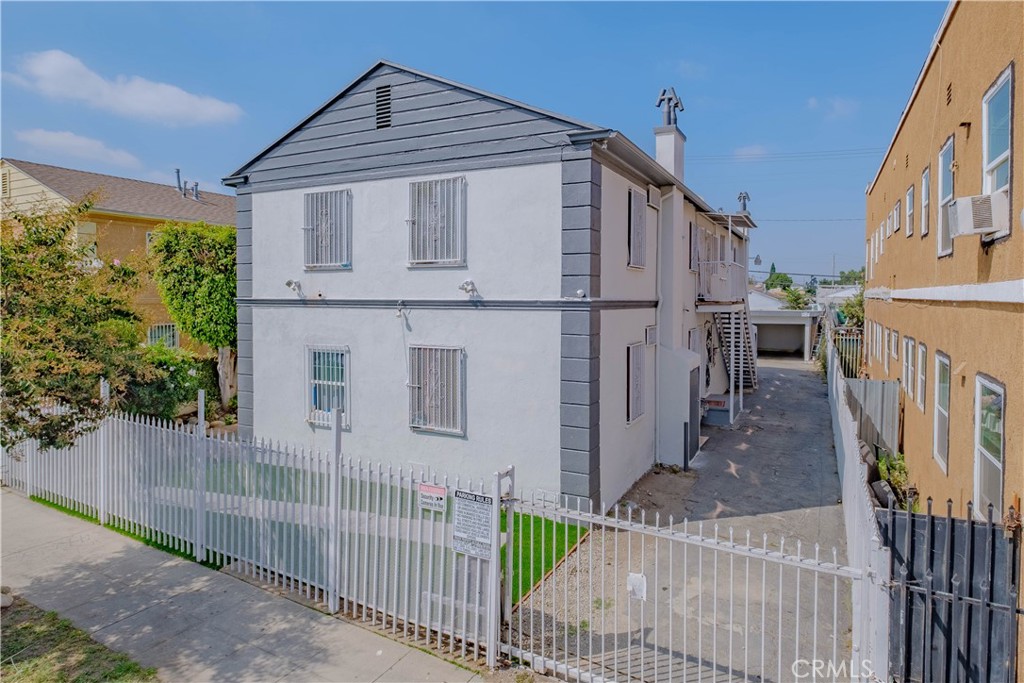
[[437, 389], [922, 373], [327, 380], [941, 425], [989, 399], [634, 382]]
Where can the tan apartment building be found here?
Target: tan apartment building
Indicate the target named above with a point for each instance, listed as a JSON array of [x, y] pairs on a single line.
[[944, 300], [126, 215]]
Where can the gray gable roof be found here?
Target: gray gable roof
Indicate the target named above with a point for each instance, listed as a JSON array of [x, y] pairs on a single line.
[[434, 121], [130, 196]]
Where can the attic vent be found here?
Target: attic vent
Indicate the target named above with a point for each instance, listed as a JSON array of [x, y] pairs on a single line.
[[949, 93], [384, 106], [906, 164], [5, 184]]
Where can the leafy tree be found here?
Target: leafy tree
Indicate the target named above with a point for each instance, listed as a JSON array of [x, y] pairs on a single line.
[[778, 281], [68, 321], [851, 277], [797, 299], [812, 286], [176, 379], [853, 309], [194, 270]]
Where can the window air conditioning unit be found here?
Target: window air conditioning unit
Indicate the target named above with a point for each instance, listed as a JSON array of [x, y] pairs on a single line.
[[983, 214], [651, 335]]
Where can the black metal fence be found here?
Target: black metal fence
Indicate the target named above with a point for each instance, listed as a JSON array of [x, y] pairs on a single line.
[[955, 614]]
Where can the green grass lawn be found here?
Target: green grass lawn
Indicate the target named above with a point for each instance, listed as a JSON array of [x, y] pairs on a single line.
[[39, 647], [543, 541]]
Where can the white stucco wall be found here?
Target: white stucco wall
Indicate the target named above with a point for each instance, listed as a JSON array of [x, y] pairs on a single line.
[[627, 451], [618, 281], [513, 227], [512, 386]]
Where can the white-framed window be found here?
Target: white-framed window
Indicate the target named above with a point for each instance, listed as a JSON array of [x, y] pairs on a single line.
[[85, 233], [888, 225], [903, 369], [945, 241], [885, 352], [922, 374], [897, 216], [894, 348], [996, 117], [163, 333], [151, 236], [997, 110], [437, 389], [635, 381], [909, 359], [636, 232], [910, 211], [940, 449], [327, 229], [881, 239], [926, 179], [989, 408], [437, 222], [327, 384]]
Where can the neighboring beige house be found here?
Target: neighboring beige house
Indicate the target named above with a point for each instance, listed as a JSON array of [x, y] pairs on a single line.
[[125, 216], [944, 299]]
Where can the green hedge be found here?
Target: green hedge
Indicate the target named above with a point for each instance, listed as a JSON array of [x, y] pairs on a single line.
[[175, 378]]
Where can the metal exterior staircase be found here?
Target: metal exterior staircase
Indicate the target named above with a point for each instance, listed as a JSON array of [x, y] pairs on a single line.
[[724, 324]]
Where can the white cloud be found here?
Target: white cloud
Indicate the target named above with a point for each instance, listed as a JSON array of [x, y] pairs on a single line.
[[60, 76], [70, 144], [750, 152], [834, 107], [693, 71]]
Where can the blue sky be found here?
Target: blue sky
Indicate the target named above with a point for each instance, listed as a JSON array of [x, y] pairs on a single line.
[[776, 94]]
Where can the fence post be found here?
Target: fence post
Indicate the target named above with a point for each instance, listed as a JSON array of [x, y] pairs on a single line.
[[199, 535], [104, 464], [334, 514], [494, 574]]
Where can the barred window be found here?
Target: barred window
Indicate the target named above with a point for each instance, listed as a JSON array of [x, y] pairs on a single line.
[[637, 228], [328, 229], [327, 372], [437, 222], [163, 333], [437, 389], [634, 382]]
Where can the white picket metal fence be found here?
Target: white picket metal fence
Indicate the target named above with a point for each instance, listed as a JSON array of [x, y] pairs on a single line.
[[375, 542], [643, 598]]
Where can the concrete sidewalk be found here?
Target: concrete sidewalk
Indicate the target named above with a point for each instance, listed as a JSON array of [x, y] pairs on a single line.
[[191, 623]]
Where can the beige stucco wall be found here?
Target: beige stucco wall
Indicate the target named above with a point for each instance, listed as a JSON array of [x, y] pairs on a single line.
[[980, 42]]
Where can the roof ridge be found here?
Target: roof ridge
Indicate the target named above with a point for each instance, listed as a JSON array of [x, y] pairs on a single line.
[[104, 175]]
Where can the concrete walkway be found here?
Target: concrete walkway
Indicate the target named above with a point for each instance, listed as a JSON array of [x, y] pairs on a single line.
[[774, 471], [192, 623]]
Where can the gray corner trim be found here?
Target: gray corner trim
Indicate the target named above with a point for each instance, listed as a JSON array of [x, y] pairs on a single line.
[[580, 447], [243, 246]]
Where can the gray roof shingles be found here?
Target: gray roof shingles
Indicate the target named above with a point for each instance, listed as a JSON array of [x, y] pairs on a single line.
[[130, 196]]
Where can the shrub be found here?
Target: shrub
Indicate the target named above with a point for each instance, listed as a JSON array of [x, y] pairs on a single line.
[[175, 377]]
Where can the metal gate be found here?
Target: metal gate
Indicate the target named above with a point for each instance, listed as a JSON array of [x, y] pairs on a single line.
[[625, 597]]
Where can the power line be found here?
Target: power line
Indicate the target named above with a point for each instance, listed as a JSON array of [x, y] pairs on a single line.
[[795, 156]]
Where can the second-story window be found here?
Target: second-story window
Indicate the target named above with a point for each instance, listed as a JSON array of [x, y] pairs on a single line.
[[327, 229], [437, 222], [636, 232], [926, 179], [910, 211], [996, 117], [945, 241], [897, 215]]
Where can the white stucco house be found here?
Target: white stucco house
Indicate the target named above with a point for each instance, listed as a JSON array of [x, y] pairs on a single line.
[[475, 282]]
